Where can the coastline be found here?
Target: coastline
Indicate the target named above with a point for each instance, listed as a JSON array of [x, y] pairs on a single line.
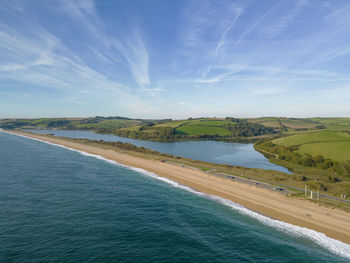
[[332, 222]]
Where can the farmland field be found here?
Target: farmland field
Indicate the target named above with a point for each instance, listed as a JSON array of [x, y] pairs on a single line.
[[116, 124], [330, 144], [204, 122], [303, 138], [299, 131], [338, 151], [201, 130], [172, 124]]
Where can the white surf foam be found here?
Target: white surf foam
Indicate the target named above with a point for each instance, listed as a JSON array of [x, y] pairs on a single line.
[[333, 245]]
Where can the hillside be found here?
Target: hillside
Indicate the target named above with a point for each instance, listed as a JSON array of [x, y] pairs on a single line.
[[333, 145], [229, 129], [295, 125], [324, 150]]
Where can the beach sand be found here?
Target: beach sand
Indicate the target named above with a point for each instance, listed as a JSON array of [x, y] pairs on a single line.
[[334, 223]]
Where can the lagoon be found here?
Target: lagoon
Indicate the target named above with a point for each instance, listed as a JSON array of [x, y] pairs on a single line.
[[240, 154]]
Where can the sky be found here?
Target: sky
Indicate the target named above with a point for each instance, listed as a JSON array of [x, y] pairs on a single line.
[[174, 58]]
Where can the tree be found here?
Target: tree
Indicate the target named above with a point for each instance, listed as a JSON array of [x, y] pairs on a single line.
[[306, 160], [318, 160]]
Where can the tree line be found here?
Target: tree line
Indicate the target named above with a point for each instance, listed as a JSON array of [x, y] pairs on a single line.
[[290, 154]]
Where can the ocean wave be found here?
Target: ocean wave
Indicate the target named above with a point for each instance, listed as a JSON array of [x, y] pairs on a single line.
[[333, 245]]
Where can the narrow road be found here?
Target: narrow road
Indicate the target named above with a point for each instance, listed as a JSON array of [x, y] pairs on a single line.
[[282, 188], [270, 185]]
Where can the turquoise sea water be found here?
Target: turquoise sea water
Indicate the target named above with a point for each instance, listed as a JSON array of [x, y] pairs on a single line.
[[59, 205], [241, 154]]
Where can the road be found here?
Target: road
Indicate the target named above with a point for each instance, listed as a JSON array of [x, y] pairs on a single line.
[[272, 186], [282, 188]]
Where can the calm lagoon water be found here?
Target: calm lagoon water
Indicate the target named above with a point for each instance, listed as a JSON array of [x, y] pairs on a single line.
[[209, 151], [59, 205]]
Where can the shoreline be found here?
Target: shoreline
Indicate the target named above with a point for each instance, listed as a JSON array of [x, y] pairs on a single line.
[[332, 222]]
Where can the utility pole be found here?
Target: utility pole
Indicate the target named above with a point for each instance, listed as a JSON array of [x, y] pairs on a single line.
[[305, 190], [318, 194]]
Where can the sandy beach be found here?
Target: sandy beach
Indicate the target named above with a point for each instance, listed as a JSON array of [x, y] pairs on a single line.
[[332, 222]]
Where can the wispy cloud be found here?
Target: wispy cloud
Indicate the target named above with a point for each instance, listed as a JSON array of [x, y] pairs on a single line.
[[36, 62], [134, 51], [204, 19], [221, 42], [84, 12], [195, 17], [46, 59], [40, 58], [130, 46], [236, 52], [338, 14], [204, 16], [258, 21], [283, 21]]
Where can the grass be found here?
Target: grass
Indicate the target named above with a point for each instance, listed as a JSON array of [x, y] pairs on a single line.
[[310, 124], [200, 122], [304, 138], [133, 128], [203, 127], [206, 122], [113, 124], [332, 121], [194, 129], [172, 124], [339, 128], [263, 119], [201, 130], [37, 121], [330, 144], [338, 151], [270, 124]]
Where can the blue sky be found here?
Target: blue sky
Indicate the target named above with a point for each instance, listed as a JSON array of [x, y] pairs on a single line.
[[174, 59]]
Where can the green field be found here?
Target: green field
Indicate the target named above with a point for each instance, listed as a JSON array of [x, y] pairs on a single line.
[[299, 131], [338, 151], [332, 121], [303, 138], [111, 124], [197, 122], [172, 124], [202, 130], [203, 127], [330, 144], [289, 123], [194, 129], [208, 122], [272, 124]]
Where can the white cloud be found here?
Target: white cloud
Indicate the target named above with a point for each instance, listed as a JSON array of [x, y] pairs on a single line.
[[282, 22], [130, 46], [203, 16], [134, 51], [228, 49], [221, 42], [34, 56], [256, 23]]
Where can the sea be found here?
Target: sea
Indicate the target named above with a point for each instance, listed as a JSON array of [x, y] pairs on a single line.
[[63, 205]]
